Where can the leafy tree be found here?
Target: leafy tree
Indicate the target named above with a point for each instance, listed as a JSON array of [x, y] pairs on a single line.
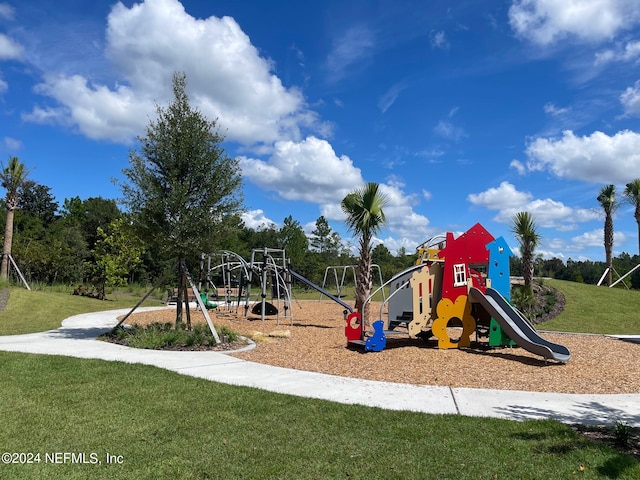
[[294, 241], [632, 195], [365, 217], [381, 256], [328, 244], [181, 182], [12, 179], [115, 255], [321, 236], [524, 227], [36, 200], [90, 214], [609, 203]]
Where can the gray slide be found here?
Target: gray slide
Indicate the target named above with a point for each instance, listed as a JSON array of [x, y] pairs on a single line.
[[517, 327], [297, 276]]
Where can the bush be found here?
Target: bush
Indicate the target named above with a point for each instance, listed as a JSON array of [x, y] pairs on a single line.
[[159, 336]]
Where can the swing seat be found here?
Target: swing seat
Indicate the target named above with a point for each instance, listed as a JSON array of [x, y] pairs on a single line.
[[269, 309]]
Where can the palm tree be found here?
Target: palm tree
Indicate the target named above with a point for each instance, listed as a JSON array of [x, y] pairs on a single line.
[[632, 195], [607, 198], [12, 177], [524, 227], [365, 218]]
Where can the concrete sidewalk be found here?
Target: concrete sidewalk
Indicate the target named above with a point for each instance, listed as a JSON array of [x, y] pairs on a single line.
[[77, 338]]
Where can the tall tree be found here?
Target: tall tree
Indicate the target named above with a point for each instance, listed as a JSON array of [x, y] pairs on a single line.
[[117, 252], [321, 236], [632, 195], [36, 200], [525, 230], [181, 182], [294, 241], [89, 215], [365, 217], [609, 203], [12, 177]]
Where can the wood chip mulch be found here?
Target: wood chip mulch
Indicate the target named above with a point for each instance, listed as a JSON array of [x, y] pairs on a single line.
[[315, 342]]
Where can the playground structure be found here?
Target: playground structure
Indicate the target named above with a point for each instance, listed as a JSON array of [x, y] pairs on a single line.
[[231, 279], [334, 269], [458, 287]]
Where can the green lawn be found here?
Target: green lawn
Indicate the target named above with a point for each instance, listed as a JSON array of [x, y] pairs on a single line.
[[161, 425], [593, 309], [33, 311], [167, 426]]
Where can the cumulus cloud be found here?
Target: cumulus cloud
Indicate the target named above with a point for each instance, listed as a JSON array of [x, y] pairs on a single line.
[[96, 111], [596, 158], [628, 52], [595, 238], [544, 22], [518, 166], [503, 196], [10, 49], [402, 220], [146, 43], [548, 213], [630, 100], [256, 220], [308, 170]]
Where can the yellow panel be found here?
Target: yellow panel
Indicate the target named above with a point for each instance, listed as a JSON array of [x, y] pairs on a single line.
[[421, 305], [446, 311]]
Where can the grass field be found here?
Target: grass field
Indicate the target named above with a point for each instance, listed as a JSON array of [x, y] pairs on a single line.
[[593, 309], [33, 311], [155, 424]]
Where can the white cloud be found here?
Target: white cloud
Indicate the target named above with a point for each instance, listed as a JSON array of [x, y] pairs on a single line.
[[395, 244], [498, 198], [595, 238], [311, 171], [96, 111], [390, 96], [596, 158], [438, 40], [256, 220], [547, 21], [402, 220], [554, 111], [353, 46], [409, 228], [227, 79], [308, 170], [449, 131], [627, 53], [12, 144], [630, 100], [548, 213], [518, 166], [9, 49], [7, 11]]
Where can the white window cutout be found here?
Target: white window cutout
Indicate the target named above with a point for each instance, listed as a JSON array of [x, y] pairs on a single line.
[[459, 275]]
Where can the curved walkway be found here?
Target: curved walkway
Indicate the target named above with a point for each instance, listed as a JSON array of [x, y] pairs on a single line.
[[77, 338]]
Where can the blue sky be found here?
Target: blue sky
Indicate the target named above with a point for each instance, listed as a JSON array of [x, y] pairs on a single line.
[[464, 112]]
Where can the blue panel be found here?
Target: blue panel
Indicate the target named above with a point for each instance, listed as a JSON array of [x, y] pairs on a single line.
[[378, 340]]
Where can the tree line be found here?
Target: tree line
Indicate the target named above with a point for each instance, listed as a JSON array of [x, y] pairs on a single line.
[[182, 196]]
